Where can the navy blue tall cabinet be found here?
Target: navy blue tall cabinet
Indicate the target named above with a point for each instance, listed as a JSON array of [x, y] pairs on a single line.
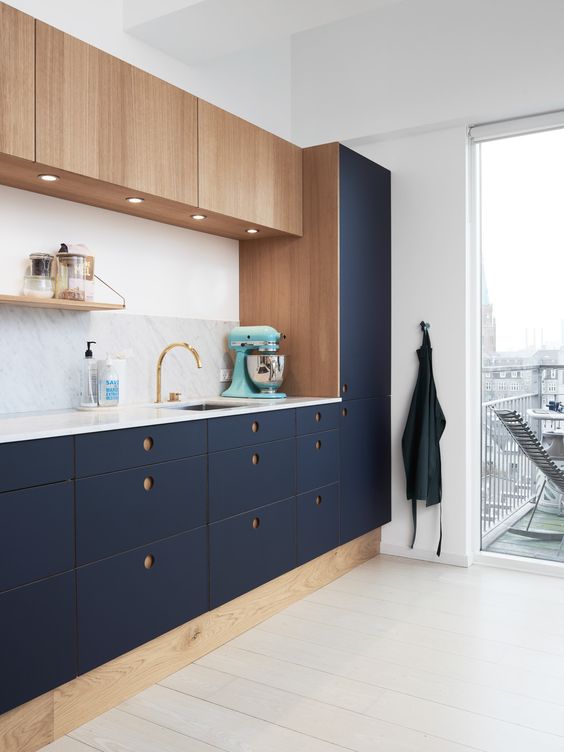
[[330, 293]]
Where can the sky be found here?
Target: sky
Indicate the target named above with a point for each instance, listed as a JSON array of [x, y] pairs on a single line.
[[522, 204]]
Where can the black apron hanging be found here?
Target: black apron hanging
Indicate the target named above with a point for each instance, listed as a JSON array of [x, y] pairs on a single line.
[[420, 442]]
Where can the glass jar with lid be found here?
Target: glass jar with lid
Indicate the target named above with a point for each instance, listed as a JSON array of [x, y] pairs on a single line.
[[71, 275], [38, 280]]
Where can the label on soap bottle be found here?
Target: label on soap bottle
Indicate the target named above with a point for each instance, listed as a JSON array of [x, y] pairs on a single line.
[[111, 390]]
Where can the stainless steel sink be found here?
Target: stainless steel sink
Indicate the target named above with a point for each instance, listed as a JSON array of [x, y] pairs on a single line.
[[205, 406]]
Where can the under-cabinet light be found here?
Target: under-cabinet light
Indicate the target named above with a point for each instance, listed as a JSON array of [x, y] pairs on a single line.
[[135, 199], [252, 230], [48, 178], [198, 216]]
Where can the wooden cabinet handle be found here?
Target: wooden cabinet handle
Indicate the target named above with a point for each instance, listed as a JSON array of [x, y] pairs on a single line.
[[256, 523], [255, 426], [148, 443], [255, 459], [345, 388], [318, 444], [149, 561], [148, 483], [344, 412], [317, 417], [318, 500]]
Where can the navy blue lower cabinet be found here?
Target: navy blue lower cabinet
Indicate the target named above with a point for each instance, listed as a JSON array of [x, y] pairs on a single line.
[[119, 511], [243, 479], [134, 597], [365, 466], [37, 639], [250, 549], [244, 430], [317, 418], [36, 533], [107, 451], [318, 460], [33, 463], [318, 522]]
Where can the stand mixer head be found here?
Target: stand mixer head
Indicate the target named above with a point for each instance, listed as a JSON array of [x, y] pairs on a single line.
[[259, 369]]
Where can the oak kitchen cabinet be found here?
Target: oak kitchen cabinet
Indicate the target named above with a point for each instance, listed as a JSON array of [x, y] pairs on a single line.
[[17, 74], [103, 118], [247, 172]]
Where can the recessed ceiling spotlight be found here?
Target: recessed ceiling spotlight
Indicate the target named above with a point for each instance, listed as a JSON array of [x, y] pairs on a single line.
[[252, 230], [135, 199], [198, 216], [48, 178]]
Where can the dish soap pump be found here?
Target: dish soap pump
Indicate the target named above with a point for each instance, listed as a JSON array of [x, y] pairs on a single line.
[[89, 381], [109, 385]]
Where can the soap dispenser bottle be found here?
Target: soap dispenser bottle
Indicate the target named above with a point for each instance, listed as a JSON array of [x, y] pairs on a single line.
[[109, 385], [89, 380]]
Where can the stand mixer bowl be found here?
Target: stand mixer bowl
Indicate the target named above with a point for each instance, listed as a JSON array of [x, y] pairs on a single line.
[[266, 371]]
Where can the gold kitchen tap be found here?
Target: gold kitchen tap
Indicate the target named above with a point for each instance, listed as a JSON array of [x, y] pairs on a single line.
[[162, 357]]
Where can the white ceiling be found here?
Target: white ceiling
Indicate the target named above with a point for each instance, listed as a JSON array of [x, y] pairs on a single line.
[[196, 31]]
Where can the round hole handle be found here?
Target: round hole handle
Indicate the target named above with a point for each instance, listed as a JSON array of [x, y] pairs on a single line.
[[318, 417], [256, 523], [149, 561], [318, 500], [345, 388], [255, 426], [148, 483], [255, 459], [344, 412], [318, 444], [148, 443]]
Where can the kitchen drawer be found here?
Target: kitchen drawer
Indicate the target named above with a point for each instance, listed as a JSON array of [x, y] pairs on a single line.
[[32, 463], [119, 511], [318, 522], [107, 451], [251, 549], [132, 598], [37, 639], [246, 430], [317, 418], [36, 533], [242, 479], [318, 460]]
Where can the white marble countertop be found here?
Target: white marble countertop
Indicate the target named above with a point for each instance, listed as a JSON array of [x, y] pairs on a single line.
[[42, 425]]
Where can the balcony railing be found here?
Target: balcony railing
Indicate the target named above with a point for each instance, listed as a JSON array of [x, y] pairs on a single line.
[[508, 479]]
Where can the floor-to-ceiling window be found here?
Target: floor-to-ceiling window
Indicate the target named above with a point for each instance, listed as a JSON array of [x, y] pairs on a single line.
[[521, 235]]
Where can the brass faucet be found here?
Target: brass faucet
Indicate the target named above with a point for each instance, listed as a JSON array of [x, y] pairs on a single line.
[[162, 357]]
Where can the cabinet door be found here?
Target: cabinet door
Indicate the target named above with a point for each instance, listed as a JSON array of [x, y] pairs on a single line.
[[243, 479], [132, 598], [17, 88], [101, 117], [365, 466], [248, 173], [120, 511], [37, 639], [317, 522], [365, 297], [250, 549], [36, 533], [317, 460]]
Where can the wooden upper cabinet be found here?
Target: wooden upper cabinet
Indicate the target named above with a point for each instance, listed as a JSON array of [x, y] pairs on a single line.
[[17, 92], [101, 117], [248, 173]]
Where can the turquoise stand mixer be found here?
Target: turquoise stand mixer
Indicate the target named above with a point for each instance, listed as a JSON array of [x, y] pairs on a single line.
[[259, 368]]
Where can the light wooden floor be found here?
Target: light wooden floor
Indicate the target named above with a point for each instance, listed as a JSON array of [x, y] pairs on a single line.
[[395, 656]]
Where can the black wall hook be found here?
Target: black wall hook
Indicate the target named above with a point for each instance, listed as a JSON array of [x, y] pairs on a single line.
[[425, 325]]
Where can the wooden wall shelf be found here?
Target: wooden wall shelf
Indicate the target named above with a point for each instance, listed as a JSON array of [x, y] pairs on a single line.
[[64, 305]]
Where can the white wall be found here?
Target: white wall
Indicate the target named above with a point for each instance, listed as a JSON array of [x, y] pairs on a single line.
[[428, 283], [417, 63], [160, 269]]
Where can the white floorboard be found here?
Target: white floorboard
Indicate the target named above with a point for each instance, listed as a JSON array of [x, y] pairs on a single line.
[[396, 656]]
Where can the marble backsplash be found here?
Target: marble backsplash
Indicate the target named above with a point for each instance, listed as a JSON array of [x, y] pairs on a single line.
[[41, 354]]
